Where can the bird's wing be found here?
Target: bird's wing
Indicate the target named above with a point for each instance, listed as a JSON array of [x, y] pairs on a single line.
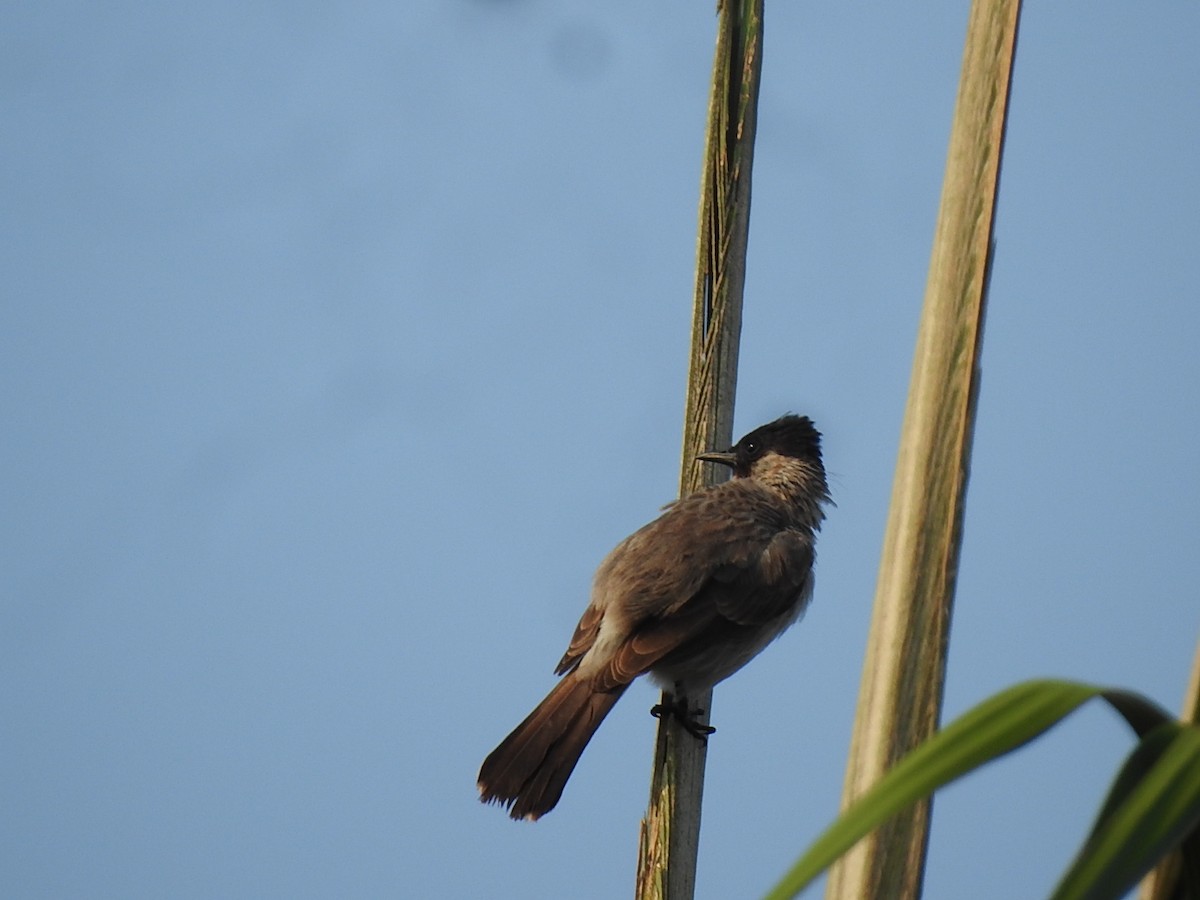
[[728, 607], [728, 540], [766, 585], [716, 566], [643, 568], [655, 639]]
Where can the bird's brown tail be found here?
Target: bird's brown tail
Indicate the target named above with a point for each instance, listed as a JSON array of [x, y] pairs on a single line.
[[529, 769]]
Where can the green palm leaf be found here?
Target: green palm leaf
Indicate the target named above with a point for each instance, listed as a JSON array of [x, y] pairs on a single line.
[[1152, 806], [1160, 784]]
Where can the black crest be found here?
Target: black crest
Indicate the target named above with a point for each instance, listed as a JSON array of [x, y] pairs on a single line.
[[789, 435]]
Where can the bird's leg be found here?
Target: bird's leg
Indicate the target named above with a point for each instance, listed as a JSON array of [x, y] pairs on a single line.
[[676, 705]]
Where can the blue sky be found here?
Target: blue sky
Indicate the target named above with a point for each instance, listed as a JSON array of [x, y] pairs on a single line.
[[339, 343]]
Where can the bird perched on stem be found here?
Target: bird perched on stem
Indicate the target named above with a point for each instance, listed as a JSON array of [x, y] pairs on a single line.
[[690, 598]]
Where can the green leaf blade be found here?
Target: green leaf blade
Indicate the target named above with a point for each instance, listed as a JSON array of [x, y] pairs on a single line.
[[994, 728], [1153, 804]]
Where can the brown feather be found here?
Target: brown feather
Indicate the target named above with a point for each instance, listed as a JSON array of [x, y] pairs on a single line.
[[582, 640], [653, 641], [527, 772]]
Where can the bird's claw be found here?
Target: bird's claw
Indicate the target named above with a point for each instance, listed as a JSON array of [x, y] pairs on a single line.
[[687, 718]]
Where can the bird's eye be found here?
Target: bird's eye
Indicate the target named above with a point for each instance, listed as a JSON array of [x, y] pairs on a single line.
[[752, 448]]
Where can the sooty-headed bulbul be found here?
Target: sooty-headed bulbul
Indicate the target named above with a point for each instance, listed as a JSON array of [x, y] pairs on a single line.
[[690, 599]]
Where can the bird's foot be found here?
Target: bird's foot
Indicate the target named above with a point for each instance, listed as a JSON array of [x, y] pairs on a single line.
[[676, 706]]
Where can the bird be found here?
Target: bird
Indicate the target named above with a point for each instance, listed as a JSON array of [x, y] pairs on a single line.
[[689, 598]]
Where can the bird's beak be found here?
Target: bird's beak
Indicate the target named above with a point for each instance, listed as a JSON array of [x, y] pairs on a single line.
[[724, 458]]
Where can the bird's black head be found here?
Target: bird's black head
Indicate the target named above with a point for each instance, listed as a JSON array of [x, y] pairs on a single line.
[[790, 437]]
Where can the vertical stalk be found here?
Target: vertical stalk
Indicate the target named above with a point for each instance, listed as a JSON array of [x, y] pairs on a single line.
[[670, 832], [901, 694]]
